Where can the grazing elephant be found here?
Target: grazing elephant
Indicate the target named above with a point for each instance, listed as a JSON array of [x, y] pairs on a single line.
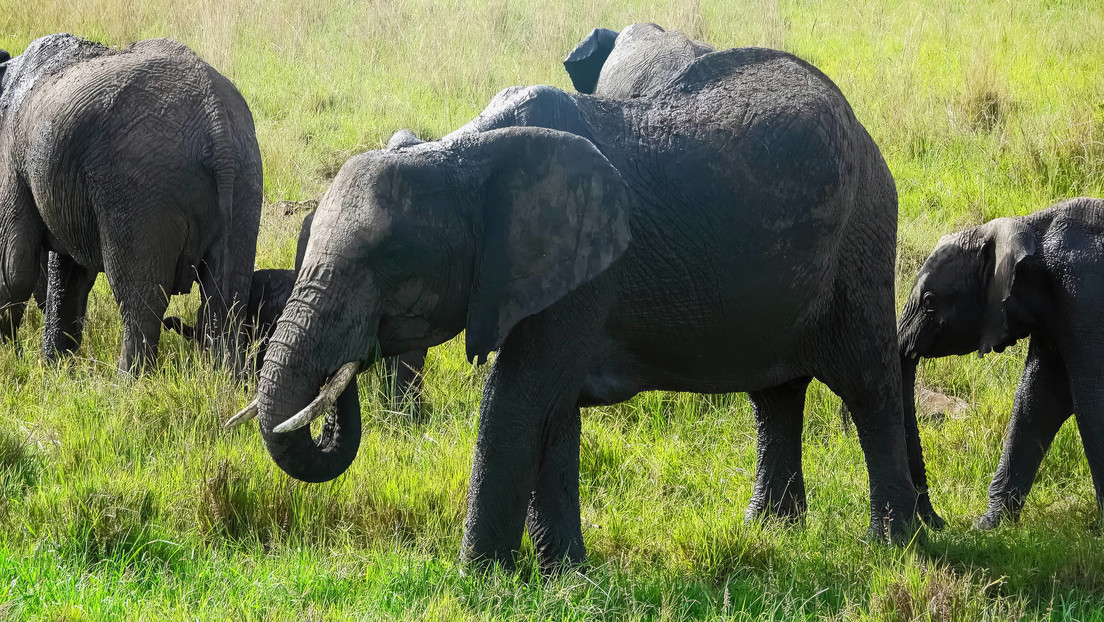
[[983, 289], [637, 62], [141, 163], [735, 233]]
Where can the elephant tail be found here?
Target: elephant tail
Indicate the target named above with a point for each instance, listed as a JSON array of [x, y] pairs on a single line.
[[224, 165]]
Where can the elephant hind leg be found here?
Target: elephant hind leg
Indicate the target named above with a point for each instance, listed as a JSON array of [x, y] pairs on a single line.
[[20, 250], [779, 481], [870, 384], [66, 305], [142, 280]]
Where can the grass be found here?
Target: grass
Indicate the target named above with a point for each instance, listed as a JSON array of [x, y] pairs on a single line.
[[127, 500]]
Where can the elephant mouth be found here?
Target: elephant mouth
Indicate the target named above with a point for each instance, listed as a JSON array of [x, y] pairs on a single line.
[[327, 397]]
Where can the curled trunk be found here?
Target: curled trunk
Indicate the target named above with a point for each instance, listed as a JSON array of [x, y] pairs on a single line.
[[300, 359], [298, 453]]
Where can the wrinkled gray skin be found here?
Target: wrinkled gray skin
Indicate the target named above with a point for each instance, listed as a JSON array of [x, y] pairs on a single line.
[[637, 62], [735, 232], [141, 163], [268, 295], [983, 289]]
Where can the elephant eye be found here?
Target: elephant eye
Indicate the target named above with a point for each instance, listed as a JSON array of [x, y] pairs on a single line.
[[927, 301]]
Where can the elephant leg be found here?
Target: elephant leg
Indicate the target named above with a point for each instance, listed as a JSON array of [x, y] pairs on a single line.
[[404, 379], [66, 305], [874, 399], [533, 385], [1088, 406], [43, 281], [20, 252], [1090, 422], [1042, 404], [779, 482], [143, 297], [553, 519], [222, 318]]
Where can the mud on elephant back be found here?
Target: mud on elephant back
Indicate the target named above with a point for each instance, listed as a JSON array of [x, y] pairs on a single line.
[[141, 163]]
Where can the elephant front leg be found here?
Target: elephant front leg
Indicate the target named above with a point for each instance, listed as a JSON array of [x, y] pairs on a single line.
[[66, 305], [553, 519], [779, 482], [533, 386], [1042, 405]]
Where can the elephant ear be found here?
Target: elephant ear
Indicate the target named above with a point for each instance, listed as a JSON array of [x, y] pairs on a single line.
[[1006, 242], [556, 214], [584, 63]]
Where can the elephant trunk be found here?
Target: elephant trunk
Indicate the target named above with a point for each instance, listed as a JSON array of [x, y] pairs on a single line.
[[917, 467], [304, 354]]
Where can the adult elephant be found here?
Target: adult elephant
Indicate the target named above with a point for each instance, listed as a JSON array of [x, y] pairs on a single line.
[[985, 288], [141, 163], [736, 235], [637, 62]]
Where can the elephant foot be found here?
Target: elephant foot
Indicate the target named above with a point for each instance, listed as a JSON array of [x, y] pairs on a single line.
[[989, 520], [893, 526], [1000, 509], [480, 565], [787, 509], [927, 513]]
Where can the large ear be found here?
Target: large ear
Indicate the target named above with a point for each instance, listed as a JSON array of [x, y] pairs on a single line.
[[304, 237], [556, 214], [1005, 243], [584, 63]]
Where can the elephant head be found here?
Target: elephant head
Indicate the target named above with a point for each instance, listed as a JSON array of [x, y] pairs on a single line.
[[410, 246], [636, 62], [963, 293]]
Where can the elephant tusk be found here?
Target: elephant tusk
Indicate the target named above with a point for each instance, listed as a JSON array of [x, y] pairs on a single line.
[[246, 414], [326, 398]]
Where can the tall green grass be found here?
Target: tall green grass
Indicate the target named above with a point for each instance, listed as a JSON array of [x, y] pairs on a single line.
[[125, 499]]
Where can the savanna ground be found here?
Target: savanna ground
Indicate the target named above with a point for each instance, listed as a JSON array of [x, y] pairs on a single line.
[[128, 500]]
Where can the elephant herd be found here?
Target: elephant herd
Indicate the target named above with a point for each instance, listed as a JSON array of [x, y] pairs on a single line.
[[689, 220]]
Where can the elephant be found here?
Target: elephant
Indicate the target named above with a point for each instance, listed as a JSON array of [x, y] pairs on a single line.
[[982, 290], [637, 62], [141, 163], [734, 232]]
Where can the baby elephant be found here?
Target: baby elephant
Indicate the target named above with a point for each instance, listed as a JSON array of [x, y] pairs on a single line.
[[985, 288]]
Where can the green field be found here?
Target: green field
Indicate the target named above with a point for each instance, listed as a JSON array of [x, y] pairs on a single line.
[[127, 500]]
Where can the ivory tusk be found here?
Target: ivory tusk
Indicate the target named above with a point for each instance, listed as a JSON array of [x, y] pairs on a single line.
[[246, 414], [326, 398]]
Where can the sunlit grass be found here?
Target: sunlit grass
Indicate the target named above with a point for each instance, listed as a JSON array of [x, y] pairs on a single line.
[[126, 499]]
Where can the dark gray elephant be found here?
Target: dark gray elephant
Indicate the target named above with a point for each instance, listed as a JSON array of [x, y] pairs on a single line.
[[637, 62], [141, 163], [983, 289], [709, 238]]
